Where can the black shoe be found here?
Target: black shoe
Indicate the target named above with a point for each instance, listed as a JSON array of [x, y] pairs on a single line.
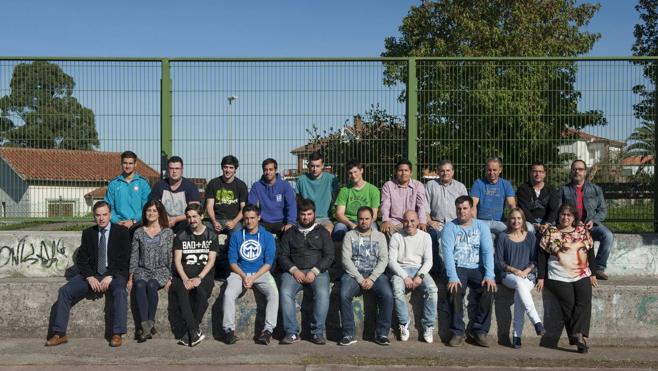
[[579, 342], [196, 337], [382, 340], [290, 339], [539, 329], [347, 340], [231, 338], [456, 341], [516, 342], [264, 337], [480, 339], [318, 339], [185, 340]]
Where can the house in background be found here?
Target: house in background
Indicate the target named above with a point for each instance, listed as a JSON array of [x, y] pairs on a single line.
[[637, 165], [38, 182], [592, 149]]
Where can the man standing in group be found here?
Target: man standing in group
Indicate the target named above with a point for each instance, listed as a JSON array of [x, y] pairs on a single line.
[[275, 198], [127, 194], [538, 199], [103, 261], [351, 198], [251, 253], [592, 210], [307, 251], [400, 195], [176, 192], [410, 260], [490, 194], [319, 186], [226, 195], [468, 254], [365, 257]]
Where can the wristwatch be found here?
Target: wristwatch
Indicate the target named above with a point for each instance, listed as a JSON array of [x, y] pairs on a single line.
[[421, 275]]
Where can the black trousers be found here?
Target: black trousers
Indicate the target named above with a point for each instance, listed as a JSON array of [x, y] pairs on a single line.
[[575, 299], [193, 303]]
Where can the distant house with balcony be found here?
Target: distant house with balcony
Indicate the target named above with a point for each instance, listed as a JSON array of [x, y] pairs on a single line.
[[53, 182]]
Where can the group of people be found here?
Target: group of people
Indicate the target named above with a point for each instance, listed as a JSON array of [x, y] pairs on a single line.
[[282, 239]]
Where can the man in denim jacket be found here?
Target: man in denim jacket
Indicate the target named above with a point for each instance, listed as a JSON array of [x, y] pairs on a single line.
[[592, 210]]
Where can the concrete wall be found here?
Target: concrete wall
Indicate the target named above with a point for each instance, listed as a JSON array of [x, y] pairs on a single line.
[[48, 254]]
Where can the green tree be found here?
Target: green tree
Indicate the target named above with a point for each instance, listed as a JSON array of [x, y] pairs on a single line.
[[642, 140], [518, 110], [41, 112], [378, 140]]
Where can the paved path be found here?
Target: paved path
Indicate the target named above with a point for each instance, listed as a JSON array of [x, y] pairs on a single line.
[[30, 354]]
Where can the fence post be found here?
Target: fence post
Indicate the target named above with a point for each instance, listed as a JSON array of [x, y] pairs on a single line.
[[166, 146], [655, 145], [412, 118]]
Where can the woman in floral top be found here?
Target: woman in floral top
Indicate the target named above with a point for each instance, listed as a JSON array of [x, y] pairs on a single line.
[[566, 255], [150, 264]]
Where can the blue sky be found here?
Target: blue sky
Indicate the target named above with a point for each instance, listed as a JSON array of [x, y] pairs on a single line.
[[311, 95], [256, 28]]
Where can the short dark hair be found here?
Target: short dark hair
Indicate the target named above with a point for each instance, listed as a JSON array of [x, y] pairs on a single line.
[[230, 160], [579, 160], [354, 163], [129, 154], [175, 159], [251, 207], [537, 163], [163, 218], [270, 161], [194, 207], [404, 161], [365, 208], [305, 205], [100, 204], [315, 156], [461, 199]]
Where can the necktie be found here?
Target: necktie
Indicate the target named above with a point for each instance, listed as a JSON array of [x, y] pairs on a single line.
[[102, 252]]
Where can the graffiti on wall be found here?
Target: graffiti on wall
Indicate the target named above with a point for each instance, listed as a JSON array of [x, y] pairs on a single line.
[[34, 256]]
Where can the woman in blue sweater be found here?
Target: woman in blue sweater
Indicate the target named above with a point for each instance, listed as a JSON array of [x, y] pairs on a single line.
[[516, 259]]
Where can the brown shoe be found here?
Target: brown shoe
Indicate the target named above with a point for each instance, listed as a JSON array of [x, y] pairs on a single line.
[[57, 340], [115, 341], [601, 275]]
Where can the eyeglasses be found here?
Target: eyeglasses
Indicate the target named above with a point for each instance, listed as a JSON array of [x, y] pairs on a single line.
[[578, 169]]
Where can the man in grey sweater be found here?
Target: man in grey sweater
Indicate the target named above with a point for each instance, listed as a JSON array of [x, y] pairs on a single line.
[[410, 260], [365, 257]]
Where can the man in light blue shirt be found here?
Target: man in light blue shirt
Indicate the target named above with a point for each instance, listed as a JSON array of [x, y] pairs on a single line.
[[490, 194], [468, 255], [127, 194], [320, 187]]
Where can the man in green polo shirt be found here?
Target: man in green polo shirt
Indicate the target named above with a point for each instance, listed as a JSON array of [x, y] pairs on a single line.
[[351, 198]]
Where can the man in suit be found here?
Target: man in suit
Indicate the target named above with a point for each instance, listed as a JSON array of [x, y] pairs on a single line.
[[103, 261]]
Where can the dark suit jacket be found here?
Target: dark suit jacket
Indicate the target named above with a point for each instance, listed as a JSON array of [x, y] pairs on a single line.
[[118, 252]]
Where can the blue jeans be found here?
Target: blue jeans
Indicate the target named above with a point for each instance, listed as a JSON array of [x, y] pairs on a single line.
[[349, 288], [77, 288], [479, 303], [429, 295], [602, 234], [341, 229], [289, 289]]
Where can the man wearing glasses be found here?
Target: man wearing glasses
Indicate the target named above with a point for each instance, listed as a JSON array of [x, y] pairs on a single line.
[[592, 210]]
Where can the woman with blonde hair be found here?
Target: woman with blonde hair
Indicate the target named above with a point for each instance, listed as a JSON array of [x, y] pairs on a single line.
[[516, 259]]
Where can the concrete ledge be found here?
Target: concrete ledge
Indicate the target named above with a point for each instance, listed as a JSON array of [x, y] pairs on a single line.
[[624, 312]]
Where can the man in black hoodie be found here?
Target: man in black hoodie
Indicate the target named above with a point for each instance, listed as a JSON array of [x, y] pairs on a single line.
[[306, 253], [538, 199]]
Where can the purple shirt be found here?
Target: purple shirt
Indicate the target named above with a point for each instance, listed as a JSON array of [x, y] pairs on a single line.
[[396, 200]]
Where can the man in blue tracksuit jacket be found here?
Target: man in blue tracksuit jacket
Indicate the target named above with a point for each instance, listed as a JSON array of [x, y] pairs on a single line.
[[275, 198], [128, 193]]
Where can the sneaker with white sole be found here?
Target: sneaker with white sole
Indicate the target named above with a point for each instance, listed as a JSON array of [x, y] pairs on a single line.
[[347, 340], [404, 332], [196, 337], [428, 334]]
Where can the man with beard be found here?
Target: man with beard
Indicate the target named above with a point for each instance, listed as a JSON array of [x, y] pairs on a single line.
[[176, 192], [538, 199], [275, 198], [307, 251]]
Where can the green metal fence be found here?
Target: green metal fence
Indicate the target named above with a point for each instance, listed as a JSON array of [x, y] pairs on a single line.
[[378, 110]]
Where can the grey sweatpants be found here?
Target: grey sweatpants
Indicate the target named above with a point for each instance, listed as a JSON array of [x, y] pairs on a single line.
[[265, 284]]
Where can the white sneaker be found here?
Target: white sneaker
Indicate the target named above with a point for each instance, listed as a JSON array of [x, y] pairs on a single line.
[[404, 332], [428, 334]]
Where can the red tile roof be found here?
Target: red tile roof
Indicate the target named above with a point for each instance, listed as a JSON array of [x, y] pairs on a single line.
[[638, 160], [71, 165]]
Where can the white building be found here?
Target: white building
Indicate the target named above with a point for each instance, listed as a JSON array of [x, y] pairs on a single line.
[[53, 182], [592, 149]]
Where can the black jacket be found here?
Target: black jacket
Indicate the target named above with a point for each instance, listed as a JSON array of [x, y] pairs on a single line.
[[118, 252], [543, 207], [316, 249]]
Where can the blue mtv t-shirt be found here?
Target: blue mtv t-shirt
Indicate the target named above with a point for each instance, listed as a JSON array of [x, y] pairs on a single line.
[[492, 197], [251, 251]]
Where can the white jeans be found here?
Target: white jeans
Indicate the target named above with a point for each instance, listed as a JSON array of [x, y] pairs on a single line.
[[522, 301]]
